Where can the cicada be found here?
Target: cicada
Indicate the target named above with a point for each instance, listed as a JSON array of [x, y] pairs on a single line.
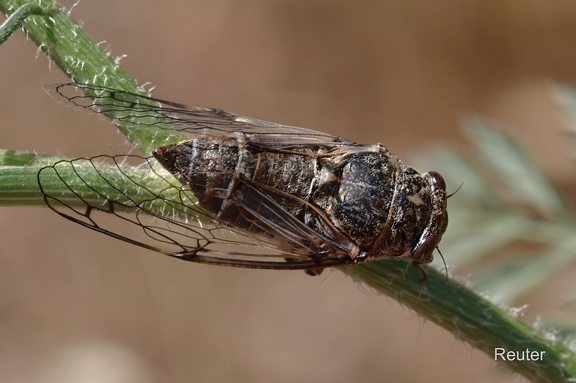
[[242, 192]]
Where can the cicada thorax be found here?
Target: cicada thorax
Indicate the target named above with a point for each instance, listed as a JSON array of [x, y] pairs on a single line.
[[383, 206], [360, 201]]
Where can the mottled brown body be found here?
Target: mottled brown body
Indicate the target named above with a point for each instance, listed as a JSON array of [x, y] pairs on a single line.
[[363, 198]]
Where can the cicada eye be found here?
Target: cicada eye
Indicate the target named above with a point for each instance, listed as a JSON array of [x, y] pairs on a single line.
[[438, 180], [423, 251]]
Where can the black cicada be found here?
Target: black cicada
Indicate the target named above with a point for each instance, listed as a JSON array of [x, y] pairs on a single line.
[[247, 193]]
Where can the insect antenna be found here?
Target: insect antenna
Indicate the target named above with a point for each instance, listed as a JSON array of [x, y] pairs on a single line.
[[442, 256], [455, 191]]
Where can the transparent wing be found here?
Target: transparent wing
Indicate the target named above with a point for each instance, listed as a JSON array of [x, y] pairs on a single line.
[[134, 199], [133, 111]]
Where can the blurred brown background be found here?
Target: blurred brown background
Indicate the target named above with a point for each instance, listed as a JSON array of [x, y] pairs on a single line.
[[76, 306]]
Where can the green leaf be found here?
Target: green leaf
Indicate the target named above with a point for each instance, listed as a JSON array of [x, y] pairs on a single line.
[[519, 181]]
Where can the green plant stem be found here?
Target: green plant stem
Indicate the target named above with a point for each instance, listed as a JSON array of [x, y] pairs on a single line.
[[19, 186], [468, 317], [69, 47], [443, 301], [14, 21], [76, 54], [18, 177]]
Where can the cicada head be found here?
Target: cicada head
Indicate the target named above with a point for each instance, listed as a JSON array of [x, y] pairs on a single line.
[[437, 220]]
